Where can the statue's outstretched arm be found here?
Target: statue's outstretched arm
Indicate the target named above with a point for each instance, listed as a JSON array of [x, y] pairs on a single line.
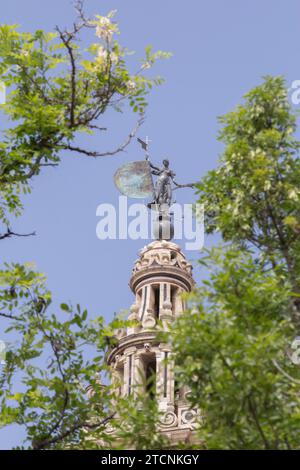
[[153, 166], [188, 185]]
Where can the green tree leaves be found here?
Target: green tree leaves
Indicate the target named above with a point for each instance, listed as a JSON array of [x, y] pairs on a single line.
[[234, 345], [56, 88], [227, 346], [51, 401]]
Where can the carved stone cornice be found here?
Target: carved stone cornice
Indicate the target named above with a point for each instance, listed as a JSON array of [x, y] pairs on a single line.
[[136, 340], [161, 274], [162, 253], [161, 261]]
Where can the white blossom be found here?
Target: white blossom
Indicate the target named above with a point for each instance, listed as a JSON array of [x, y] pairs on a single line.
[[104, 28], [103, 55], [146, 66], [131, 85]]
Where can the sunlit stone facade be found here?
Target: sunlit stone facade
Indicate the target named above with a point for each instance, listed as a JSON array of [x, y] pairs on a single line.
[[160, 276]]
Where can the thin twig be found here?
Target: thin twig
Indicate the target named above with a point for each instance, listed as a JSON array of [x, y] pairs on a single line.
[[108, 153], [10, 233], [275, 363], [66, 38], [10, 317], [47, 442]]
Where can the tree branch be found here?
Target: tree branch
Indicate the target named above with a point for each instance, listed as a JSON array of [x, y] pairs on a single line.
[[108, 153], [255, 418], [66, 38], [275, 363], [82, 424], [11, 317], [10, 233]]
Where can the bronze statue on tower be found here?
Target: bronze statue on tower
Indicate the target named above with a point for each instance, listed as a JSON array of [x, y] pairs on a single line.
[[135, 180]]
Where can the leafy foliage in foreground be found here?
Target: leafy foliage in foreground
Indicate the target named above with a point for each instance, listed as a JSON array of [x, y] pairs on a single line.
[[234, 345], [56, 90], [51, 380], [51, 361], [253, 197]]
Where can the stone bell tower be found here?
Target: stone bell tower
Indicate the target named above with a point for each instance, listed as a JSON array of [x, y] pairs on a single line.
[[160, 276]]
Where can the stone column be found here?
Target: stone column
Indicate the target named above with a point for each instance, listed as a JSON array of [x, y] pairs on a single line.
[[148, 318], [138, 374], [134, 317], [128, 371], [164, 379], [178, 302], [144, 302], [165, 310], [117, 375]]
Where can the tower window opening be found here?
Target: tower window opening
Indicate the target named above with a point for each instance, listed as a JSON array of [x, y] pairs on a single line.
[[139, 297], [165, 374], [150, 376], [176, 388], [174, 293], [144, 302], [156, 300], [130, 375]]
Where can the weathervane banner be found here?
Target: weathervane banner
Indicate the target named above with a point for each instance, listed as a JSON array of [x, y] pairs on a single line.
[[134, 180]]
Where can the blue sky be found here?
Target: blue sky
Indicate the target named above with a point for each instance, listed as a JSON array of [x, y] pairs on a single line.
[[220, 51]]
